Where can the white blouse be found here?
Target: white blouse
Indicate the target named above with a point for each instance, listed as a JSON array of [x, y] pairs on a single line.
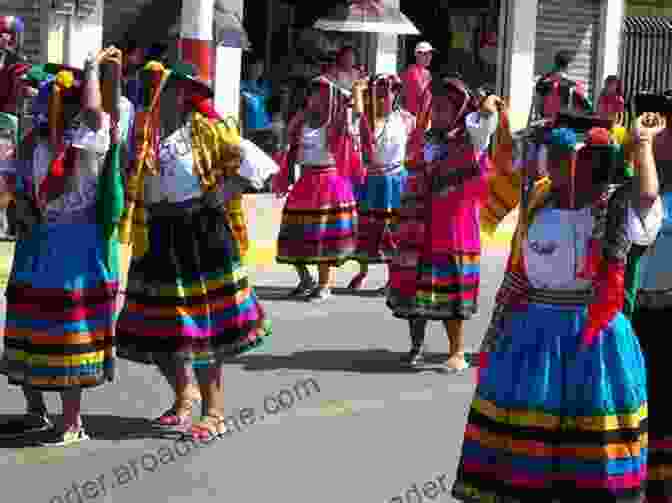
[[557, 243], [391, 140], [177, 181], [91, 149], [315, 151]]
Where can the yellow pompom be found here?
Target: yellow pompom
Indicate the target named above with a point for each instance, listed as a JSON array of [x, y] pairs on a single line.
[[65, 79], [155, 66]]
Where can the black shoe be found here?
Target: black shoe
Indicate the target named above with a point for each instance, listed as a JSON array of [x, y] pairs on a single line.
[[414, 356], [30, 423], [303, 289], [319, 295]]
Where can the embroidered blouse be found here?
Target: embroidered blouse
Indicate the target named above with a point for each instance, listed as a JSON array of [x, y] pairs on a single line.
[[391, 140], [177, 181]]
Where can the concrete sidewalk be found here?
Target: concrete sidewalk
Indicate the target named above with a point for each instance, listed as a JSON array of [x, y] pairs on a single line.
[[264, 213]]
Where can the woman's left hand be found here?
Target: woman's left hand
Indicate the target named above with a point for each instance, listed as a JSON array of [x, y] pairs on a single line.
[[110, 55], [492, 104]]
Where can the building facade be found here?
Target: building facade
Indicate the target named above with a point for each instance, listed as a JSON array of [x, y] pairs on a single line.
[[500, 43]]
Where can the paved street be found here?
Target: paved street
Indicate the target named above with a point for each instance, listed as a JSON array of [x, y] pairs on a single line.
[[368, 434]]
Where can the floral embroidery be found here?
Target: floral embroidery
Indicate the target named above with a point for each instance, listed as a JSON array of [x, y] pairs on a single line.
[[544, 248]]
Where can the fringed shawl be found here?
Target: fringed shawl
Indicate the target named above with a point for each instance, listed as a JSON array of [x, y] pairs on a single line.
[[216, 152]]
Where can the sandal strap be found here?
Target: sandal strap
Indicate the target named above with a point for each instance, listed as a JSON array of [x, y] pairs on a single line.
[[211, 423]]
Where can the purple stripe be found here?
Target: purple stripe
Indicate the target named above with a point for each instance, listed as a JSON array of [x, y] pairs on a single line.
[[83, 216]]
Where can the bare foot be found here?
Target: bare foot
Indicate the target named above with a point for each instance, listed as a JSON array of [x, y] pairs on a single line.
[[457, 362]]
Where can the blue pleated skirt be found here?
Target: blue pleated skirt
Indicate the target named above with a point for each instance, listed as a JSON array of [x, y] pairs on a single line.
[[549, 418], [378, 203], [61, 309]]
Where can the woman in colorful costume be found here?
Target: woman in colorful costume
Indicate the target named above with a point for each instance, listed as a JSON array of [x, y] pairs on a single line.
[[384, 134], [560, 408], [61, 299], [437, 271], [12, 67], [652, 288], [189, 303], [319, 220]]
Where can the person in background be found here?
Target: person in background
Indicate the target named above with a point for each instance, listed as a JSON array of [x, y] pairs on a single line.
[[12, 67], [611, 103], [256, 91], [385, 131], [345, 71], [436, 273], [555, 91], [611, 106], [417, 77], [319, 220], [134, 59]]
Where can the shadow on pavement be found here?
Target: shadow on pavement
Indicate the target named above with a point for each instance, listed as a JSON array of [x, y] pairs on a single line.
[[99, 427], [372, 361], [282, 293]]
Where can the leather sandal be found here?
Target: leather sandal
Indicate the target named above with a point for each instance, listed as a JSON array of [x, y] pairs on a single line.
[[357, 282], [209, 426], [177, 418]]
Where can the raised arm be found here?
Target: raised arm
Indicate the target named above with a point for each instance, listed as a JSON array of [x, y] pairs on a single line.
[[647, 127], [92, 101]]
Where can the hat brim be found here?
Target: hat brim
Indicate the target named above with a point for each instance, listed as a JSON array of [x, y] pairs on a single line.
[[181, 77], [190, 84]]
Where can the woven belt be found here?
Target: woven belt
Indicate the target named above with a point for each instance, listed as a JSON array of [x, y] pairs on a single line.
[[313, 167], [385, 170], [515, 284], [167, 210]]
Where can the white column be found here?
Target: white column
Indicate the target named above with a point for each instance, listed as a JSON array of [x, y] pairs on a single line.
[[518, 73], [83, 36], [386, 47], [228, 64], [52, 31], [610, 36], [196, 31]]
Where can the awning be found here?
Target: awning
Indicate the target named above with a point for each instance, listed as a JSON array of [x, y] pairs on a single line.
[[368, 16]]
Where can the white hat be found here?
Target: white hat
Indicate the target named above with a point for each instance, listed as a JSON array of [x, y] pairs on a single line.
[[424, 47]]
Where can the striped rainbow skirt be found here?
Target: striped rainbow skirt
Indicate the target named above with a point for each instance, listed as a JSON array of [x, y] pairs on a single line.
[[319, 220], [189, 297], [435, 274], [378, 203], [553, 422], [61, 305]]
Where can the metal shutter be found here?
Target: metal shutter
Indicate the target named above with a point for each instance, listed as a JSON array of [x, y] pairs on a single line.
[[568, 25]]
